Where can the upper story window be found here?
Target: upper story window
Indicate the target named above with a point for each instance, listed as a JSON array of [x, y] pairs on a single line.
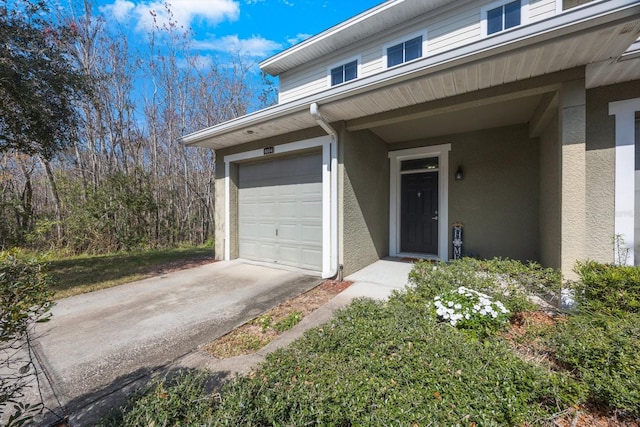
[[404, 52], [501, 16], [344, 73]]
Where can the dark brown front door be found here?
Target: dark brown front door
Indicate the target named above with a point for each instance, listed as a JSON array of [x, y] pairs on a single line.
[[419, 213]]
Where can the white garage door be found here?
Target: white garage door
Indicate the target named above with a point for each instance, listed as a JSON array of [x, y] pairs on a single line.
[[280, 211]]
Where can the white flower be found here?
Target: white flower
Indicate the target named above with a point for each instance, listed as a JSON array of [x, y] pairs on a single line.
[[450, 303]]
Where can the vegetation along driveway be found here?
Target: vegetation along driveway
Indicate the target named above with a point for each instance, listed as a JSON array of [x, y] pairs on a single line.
[[100, 341]]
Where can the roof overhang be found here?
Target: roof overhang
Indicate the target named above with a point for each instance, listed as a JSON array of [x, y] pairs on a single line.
[[598, 32], [369, 23]]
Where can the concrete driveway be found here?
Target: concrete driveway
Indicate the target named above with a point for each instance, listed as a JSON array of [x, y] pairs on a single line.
[[99, 342]]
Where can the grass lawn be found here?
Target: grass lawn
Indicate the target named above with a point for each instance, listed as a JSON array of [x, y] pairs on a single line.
[[419, 360], [86, 273]]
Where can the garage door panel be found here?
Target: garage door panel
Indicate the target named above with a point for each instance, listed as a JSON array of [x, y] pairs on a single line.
[[251, 249], [268, 252], [289, 232], [280, 211], [311, 234], [268, 230], [309, 209], [311, 258], [288, 210], [289, 254]]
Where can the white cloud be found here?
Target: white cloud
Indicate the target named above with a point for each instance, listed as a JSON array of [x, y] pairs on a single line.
[[120, 9], [298, 38], [255, 46], [181, 12], [200, 62], [286, 2]]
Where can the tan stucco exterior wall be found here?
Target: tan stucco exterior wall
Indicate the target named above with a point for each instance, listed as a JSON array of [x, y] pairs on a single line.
[[600, 158], [497, 201], [364, 212], [572, 126], [550, 227]]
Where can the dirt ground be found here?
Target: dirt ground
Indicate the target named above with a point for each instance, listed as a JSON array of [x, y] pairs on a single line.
[[254, 335]]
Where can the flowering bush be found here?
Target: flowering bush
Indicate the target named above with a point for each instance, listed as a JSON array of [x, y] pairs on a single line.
[[466, 308]]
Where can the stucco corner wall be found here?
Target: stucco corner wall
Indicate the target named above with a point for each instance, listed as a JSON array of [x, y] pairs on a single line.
[[364, 220], [219, 215], [550, 198]]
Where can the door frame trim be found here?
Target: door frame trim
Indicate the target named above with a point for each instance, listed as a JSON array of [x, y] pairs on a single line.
[[625, 176], [395, 158], [323, 141]]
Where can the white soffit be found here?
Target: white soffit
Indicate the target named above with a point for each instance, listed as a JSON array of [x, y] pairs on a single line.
[[567, 41]]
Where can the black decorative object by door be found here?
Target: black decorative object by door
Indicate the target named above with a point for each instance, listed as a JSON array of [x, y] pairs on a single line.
[[419, 213]]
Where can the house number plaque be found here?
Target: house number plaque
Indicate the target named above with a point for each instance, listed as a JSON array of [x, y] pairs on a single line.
[[457, 240], [268, 150]]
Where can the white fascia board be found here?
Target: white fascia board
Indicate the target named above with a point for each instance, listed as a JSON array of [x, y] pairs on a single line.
[[356, 21], [566, 24]]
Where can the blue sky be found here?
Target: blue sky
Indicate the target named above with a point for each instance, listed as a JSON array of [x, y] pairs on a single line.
[[254, 28]]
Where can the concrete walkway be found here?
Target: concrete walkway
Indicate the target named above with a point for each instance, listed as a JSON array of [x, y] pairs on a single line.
[[375, 281]]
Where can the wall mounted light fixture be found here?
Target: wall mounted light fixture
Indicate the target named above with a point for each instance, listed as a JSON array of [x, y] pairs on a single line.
[[459, 174]]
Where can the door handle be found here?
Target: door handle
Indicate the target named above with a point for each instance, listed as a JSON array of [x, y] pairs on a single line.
[[435, 217]]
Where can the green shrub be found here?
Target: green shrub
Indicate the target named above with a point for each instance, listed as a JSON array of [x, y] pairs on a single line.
[[604, 352], [471, 310], [25, 299], [377, 364], [607, 288], [179, 400], [508, 280]]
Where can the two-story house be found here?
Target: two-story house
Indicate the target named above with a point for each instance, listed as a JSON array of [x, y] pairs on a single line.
[[518, 119]]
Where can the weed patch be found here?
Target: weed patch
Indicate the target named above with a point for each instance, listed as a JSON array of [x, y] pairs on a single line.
[[179, 400]]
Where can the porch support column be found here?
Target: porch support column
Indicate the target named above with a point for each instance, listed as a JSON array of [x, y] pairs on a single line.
[[572, 124]]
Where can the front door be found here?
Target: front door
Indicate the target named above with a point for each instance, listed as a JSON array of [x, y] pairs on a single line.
[[419, 213]]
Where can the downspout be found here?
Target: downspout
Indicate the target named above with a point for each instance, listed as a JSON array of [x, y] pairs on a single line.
[[314, 110]]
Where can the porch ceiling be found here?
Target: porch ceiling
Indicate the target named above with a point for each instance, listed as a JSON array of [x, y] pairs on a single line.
[[505, 113], [400, 94]]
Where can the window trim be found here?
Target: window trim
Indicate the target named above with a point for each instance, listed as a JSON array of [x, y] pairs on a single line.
[[404, 39], [344, 62], [524, 16]]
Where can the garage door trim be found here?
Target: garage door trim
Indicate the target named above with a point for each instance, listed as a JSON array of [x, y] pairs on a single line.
[[259, 154]]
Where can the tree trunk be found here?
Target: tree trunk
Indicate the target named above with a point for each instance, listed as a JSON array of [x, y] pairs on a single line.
[[56, 197]]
